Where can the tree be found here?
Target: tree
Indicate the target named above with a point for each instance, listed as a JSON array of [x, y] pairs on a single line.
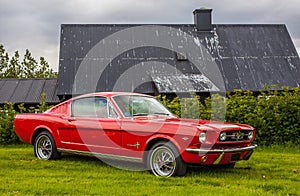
[[45, 71], [28, 68], [29, 65]]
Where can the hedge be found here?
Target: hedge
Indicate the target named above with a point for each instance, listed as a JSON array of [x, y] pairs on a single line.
[[8, 112], [274, 114]]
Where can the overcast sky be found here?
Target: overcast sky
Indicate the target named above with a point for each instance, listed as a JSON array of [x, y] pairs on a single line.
[[35, 24]]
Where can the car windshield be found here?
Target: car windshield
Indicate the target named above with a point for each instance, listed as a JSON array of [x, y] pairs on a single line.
[[135, 105]]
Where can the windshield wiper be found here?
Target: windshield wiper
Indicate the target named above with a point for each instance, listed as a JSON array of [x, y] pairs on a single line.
[[140, 114], [156, 113], [161, 113]]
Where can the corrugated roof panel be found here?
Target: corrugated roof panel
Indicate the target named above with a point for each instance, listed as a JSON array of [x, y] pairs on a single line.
[[2, 82], [28, 91], [183, 83], [255, 40], [7, 90], [21, 91], [255, 55], [34, 94], [50, 88], [248, 57]]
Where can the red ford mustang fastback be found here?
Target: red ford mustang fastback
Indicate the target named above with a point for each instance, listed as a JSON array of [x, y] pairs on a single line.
[[134, 127]]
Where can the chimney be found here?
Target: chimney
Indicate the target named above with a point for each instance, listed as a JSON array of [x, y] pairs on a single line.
[[202, 19]]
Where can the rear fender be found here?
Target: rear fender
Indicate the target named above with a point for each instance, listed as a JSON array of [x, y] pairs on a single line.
[[40, 129]]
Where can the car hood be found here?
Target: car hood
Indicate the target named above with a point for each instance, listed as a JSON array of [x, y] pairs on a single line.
[[208, 124]]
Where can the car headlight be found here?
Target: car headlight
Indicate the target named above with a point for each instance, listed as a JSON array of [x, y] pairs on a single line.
[[202, 137], [223, 136], [250, 135]]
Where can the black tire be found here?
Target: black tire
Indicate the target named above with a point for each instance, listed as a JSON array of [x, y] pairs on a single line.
[[45, 147], [164, 160]]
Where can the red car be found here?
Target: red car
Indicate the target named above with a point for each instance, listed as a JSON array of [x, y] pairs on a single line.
[[134, 127]]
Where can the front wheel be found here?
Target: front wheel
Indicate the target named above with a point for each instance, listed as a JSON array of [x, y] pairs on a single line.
[[165, 160], [45, 147]]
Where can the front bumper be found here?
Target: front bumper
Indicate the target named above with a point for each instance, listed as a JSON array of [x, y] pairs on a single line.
[[217, 156], [204, 151]]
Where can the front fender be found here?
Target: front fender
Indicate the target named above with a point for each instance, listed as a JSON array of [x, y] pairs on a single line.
[[159, 137]]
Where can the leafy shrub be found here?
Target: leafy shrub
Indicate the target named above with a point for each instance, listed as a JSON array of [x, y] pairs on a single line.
[[7, 133], [275, 115], [8, 112]]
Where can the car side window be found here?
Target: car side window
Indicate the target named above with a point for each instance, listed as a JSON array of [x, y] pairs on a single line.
[[94, 107]]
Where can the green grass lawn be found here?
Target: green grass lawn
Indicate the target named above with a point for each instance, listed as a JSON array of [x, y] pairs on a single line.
[[270, 171]]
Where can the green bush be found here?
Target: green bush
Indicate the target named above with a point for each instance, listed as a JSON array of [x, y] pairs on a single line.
[[7, 133], [8, 112], [275, 115]]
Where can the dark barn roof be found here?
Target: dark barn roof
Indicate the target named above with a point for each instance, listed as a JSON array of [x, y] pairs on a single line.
[[28, 91], [129, 58], [182, 83]]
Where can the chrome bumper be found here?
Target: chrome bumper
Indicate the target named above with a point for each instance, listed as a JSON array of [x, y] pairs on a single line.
[[204, 151]]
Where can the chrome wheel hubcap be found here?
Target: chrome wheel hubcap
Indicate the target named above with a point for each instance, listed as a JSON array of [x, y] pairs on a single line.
[[163, 162], [44, 147]]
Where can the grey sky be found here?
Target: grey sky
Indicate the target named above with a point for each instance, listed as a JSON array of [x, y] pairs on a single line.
[[35, 24]]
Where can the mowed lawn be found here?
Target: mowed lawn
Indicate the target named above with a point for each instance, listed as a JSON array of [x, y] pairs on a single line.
[[270, 171]]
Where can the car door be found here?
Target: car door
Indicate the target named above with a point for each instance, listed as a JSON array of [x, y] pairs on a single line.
[[137, 126], [94, 126]]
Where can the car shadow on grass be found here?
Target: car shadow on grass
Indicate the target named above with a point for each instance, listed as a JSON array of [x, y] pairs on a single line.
[[133, 166], [215, 169], [124, 165]]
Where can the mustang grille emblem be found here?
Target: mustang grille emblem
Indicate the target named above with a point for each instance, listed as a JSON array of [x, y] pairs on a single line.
[[239, 135]]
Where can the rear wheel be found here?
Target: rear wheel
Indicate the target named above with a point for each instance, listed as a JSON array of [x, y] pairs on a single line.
[[45, 147], [165, 160]]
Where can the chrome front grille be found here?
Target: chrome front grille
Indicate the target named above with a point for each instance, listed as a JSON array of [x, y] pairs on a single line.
[[235, 136]]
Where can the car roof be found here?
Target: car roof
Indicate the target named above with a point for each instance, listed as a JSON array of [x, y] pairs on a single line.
[[109, 94], [106, 94]]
